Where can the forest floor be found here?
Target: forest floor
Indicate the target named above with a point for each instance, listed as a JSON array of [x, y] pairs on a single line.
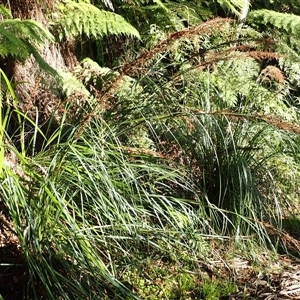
[[280, 280]]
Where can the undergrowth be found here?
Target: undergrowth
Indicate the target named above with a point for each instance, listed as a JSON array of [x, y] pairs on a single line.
[[151, 174]]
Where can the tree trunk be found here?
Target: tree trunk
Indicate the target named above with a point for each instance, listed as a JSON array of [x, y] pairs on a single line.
[[33, 87]]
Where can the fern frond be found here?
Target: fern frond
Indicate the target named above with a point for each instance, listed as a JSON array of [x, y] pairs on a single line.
[[83, 18], [27, 29], [71, 85], [288, 22], [20, 39], [16, 35], [10, 44]]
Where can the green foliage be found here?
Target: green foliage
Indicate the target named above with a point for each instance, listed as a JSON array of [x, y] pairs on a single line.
[[18, 37], [287, 6], [5, 116], [91, 74], [5, 12], [22, 38], [288, 22], [82, 200], [75, 19], [71, 86], [148, 164], [234, 6]]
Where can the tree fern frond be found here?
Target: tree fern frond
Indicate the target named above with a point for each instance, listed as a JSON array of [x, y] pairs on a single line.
[[28, 29], [10, 44], [84, 18], [288, 22], [15, 34], [20, 38]]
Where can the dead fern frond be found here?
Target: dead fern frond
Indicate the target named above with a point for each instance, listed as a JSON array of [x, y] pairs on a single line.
[[275, 121], [280, 124], [208, 27], [271, 73], [234, 52]]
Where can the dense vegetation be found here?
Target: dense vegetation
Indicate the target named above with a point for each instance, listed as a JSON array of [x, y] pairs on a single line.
[[146, 146]]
